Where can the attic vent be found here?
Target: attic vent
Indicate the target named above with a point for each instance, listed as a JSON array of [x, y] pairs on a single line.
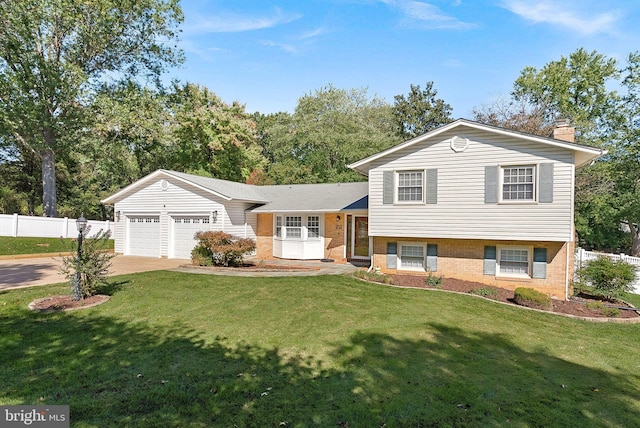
[[459, 144], [164, 184]]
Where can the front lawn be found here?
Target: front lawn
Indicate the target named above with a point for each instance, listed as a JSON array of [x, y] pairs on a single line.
[[172, 349], [29, 245]]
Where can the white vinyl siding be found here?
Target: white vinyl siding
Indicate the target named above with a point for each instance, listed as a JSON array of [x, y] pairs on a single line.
[[461, 211], [180, 199]]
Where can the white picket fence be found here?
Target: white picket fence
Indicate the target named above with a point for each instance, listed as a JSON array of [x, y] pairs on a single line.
[[583, 256], [48, 227]]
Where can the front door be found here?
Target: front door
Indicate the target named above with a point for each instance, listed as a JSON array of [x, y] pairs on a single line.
[[361, 237]]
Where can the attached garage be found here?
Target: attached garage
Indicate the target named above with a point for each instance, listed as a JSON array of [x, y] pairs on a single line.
[[158, 215], [143, 236], [183, 228]]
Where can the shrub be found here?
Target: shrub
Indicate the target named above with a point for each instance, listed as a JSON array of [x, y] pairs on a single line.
[[216, 248], [87, 273], [373, 276], [532, 298], [433, 281], [488, 292], [606, 310], [609, 278]]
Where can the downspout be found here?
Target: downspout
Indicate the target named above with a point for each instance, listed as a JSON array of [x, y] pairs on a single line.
[[573, 228]]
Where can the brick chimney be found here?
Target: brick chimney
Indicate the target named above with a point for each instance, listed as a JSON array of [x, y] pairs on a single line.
[[564, 132]]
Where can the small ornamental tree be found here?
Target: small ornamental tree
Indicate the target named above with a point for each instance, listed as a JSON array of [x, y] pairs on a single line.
[[609, 278], [91, 270], [216, 248]]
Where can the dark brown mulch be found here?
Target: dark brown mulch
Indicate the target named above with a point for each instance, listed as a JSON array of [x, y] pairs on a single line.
[[575, 307], [260, 267], [65, 303]]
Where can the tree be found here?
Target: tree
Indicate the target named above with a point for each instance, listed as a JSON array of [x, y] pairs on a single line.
[[573, 88], [514, 115], [420, 111], [211, 137], [54, 52], [624, 166], [328, 130]]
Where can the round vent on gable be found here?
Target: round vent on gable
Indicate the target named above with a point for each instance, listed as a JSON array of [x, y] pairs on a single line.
[[459, 144], [164, 184]]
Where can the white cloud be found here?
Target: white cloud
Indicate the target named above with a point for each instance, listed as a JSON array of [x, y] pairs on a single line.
[[574, 16], [427, 16], [234, 23], [282, 46]]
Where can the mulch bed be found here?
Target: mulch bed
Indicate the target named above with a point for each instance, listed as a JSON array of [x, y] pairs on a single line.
[[258, 267], [65, 303], [575, 307]]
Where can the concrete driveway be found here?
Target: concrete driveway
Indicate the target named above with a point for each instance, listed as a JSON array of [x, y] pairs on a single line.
[[29, 272]]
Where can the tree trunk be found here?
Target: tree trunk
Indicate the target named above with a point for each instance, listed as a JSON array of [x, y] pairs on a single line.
[[49, 200], [635, 239]]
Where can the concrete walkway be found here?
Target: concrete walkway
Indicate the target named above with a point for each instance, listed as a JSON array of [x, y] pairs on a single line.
[[289, 268], [29, 272]]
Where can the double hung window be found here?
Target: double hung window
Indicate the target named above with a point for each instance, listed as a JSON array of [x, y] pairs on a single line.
[[518, 183], [513, 261], [411, 257], [410, 186], [294, 226]]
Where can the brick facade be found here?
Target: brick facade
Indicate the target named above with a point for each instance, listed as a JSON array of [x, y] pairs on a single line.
[[464, 259], [264, 236], [334, 237]]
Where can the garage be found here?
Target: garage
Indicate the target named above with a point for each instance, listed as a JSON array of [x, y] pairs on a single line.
[[183, 229], [143, 236]]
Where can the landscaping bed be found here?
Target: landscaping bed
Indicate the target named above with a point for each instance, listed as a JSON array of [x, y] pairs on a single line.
[[577, 306]]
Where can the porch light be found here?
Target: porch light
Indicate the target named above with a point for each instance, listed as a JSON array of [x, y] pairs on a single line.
[[117, 216], [338, 218], [214, 216], [81, 225]]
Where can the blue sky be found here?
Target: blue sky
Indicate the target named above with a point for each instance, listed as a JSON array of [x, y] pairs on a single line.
[[267, 54]]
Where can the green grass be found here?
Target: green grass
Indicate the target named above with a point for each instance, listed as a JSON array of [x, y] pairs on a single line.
[[27, 245], [172, 349]]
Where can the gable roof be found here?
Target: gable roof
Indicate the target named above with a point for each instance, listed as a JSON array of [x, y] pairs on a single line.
[[583, 154], [228, 190], [326, 197]]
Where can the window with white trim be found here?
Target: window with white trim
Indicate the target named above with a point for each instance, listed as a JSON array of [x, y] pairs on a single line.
[[313, 226], [279, 226], [518, 183], [514, 261], [411, 257], [293, 225], [410, 186]]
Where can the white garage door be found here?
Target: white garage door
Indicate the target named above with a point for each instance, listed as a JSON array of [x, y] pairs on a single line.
[[184, 227], [143, 236]]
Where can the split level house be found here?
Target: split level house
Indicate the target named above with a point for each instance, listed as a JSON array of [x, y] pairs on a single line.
[[466, 200]]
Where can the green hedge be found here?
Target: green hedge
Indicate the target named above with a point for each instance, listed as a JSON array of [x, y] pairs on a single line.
[[532, 298]]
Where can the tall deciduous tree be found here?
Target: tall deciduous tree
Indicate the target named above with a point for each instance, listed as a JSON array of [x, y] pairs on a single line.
[[515, 115], [52, 52], [329, 129], [573, 88], [212, 137], [420, 111]]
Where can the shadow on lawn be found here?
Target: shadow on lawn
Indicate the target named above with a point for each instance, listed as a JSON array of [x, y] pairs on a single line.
[[117, 374]]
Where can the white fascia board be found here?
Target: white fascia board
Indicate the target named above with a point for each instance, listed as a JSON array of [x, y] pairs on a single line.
[[590, 153], [154, 175]]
